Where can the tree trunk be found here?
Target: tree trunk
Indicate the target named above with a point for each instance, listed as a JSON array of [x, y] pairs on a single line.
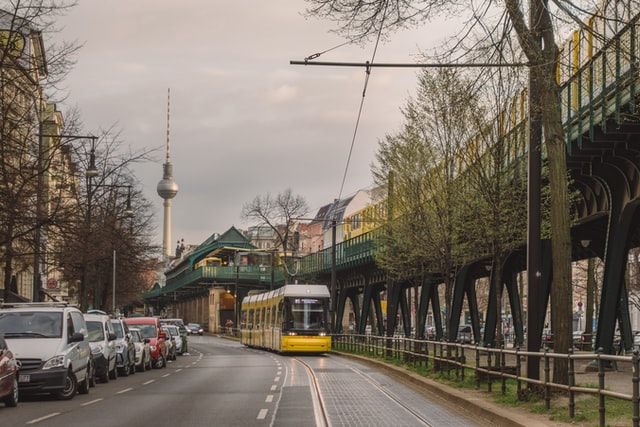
[[8, 270], [561, 290]]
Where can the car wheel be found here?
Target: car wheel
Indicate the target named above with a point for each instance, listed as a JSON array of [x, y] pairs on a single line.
[[160, 363], [113, 374], [70, 388], [92, 375], [143, 365], [11, 400], [83, 387]]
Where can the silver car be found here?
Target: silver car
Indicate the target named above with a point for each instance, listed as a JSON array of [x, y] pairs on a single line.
[[49, 342], [125, 350], [102, 339], [143, 350]]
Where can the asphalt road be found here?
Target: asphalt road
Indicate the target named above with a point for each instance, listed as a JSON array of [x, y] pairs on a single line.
[[224, 383]]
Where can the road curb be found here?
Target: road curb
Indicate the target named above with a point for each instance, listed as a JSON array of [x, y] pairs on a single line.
[[478, 406]]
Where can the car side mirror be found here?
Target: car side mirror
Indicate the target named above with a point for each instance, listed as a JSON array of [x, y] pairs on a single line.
[[112, 336], [147, 340], [76, 337]]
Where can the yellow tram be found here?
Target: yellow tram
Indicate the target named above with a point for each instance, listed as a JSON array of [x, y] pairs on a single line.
[[292, 319]]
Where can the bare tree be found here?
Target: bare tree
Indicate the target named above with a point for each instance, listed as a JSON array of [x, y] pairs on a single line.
[[279, 213], [102, 225], [33, 163]]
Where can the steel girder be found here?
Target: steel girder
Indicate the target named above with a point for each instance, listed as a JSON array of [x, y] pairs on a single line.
[[619, 176], [465, 285], [428, 294]]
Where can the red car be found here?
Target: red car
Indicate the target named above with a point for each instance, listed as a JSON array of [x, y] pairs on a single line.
[[8, 376], [150, 328]]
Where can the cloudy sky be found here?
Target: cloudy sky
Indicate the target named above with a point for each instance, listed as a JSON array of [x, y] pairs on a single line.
[[243, 121]]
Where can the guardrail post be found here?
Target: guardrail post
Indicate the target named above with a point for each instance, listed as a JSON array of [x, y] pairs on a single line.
[[463, 361], [502, 363], [572, 383], [456, 355], [489, 385], [636, 388], [426, 353], [518, 372], [601, 398], [547, 390], [477, 366]]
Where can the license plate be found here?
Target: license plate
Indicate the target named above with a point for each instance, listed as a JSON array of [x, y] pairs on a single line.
[[24, 378]]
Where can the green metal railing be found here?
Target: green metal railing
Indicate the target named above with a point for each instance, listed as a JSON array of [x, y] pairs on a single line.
[[254, 275], [358, 250]]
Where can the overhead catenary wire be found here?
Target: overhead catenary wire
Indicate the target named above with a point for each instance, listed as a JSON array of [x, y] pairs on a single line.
[[364, 94]]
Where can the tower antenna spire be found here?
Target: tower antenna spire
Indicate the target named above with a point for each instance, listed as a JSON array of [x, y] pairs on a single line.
[[167, 188], [168, 120]]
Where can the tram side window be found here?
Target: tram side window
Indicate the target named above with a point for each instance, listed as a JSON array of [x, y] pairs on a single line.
[[243, 319], [267, 323], [262, 317], [281, 312], [274, 313], [250, 319]]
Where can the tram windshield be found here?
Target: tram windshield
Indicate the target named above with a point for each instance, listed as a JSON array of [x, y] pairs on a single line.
[[306, 314]]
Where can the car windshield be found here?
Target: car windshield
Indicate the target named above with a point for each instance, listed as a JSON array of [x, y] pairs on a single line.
[[173, 331], [32, 324], [147, 331], [96, 331], [194, 326], [118, 329]]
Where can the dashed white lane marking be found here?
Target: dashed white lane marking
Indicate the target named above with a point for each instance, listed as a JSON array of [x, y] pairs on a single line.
[[178, 370], [276, 379], [125, 390], [193, 363], [262, 414], [53, 414], [274, 387], [165, 375], [148, 382], [269, 398], [91, 402]]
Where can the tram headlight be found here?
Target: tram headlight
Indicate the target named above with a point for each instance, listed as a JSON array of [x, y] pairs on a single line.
[[322, 334], [291, 334]]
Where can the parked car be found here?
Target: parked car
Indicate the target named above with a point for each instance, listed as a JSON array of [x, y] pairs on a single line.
[[547, 338], [184, 332], [125, 350], [171, 345], [195, 329], [465, 334], [150, 328], [175, 337], [102, 339], [49, 342], [8, 375], [143, 351], [430, 333]]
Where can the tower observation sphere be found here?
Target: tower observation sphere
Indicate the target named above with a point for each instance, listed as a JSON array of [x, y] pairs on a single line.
[[167, 187]]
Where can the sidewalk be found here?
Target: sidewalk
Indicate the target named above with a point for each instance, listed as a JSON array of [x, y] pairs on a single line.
[[474, 401]]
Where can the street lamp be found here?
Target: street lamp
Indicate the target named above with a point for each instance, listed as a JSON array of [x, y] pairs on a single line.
[[90, 173]]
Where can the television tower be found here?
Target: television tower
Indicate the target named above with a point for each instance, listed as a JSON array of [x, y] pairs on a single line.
[[167, 189]]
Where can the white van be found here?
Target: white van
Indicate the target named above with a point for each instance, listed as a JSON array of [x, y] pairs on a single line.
[[49, 340]]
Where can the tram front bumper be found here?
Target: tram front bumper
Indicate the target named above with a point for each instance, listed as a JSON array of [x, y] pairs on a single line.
[[306, 344]]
